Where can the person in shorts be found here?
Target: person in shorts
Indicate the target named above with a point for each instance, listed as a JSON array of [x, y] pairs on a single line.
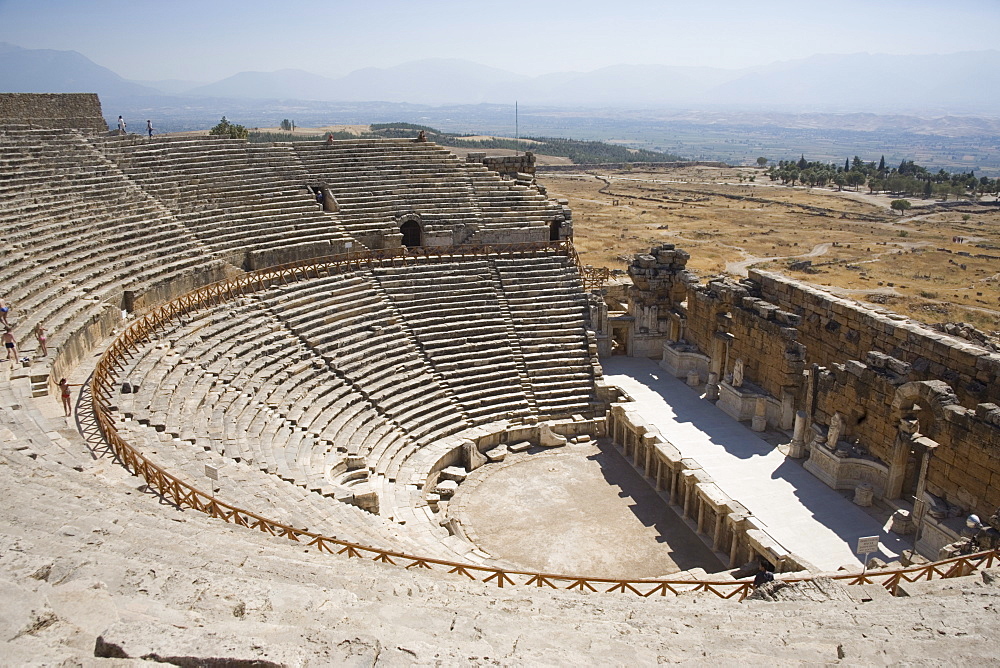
[[10, 343]]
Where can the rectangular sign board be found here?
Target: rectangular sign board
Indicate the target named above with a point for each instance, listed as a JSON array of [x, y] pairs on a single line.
[[211, 472], [867, 545]]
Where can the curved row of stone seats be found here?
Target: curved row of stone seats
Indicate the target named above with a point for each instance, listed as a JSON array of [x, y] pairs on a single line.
[[245, 486], [361, 335], [376, 181], [236, 382], [454, 311], [77, 235], [191, 406], [235, 197], [549, 311]]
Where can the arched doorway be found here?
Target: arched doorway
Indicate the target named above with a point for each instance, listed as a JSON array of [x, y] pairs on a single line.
[[918, 411], [411, 233], [555, 227]]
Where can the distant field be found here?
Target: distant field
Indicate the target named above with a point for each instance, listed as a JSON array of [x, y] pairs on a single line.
[[858, 247]]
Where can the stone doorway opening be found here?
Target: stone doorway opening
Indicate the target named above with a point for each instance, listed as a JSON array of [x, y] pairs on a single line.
[[555, 227], [619, 340], [412, 234]]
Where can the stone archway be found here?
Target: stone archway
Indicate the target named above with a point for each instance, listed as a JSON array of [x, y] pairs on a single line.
[[413, 234], [917, 409]]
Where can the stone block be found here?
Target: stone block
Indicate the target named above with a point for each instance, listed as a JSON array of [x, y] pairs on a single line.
[[445, 489], [520, 446], [453, 473]]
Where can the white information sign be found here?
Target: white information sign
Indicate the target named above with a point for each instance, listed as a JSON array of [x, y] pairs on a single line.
[[867, 545], [211, 472]]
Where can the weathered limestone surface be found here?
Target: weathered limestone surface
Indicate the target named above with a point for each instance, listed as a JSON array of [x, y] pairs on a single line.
[[855, 373], [81, 111], [82, 559]]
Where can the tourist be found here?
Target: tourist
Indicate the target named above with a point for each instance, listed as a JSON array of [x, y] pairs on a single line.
[[764, 575], [121, 125], [64, 392], [10, 344], [4, 310], [329, 139], [149, 128], [40, 336], [320, 197]]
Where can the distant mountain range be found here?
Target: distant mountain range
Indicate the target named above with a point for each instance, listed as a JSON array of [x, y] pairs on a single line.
[[961, 83]]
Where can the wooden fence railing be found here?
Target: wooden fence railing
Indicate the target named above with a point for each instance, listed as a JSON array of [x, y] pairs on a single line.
[[185, 495]]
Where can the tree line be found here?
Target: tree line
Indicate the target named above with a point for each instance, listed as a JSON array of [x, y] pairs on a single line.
[[908, 178]]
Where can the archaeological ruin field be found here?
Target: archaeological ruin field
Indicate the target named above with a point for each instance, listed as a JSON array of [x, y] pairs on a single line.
[[366, 401], [938, 263]]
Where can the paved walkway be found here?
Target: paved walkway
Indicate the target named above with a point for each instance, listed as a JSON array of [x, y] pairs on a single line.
[[800, 512]]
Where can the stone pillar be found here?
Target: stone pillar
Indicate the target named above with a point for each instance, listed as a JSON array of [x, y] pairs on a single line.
[[902, 522], [906, 434], [659, 474], [863, 495], [701, 512], [686, 491], [720, 518], [693, 379], [712, 387], [734, 549], [759, 421], [674, 484], [919, 505], [797, 448]]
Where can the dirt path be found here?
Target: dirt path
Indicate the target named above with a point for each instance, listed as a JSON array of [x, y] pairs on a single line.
[[740, 268]]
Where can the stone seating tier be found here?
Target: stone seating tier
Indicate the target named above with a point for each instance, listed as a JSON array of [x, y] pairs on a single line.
[[225, 193], [375, 181], [333, 384]]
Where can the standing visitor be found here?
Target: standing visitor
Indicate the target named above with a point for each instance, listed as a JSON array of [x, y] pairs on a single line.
[[121, 125], [10, 344], [4, 310], [42, 340], [149, 128], [64, 392]]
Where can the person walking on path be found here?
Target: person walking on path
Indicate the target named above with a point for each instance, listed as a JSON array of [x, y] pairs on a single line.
[[10, 343], [66, 395], [40, 335], [149, 128], [121, 125], [4, 310]]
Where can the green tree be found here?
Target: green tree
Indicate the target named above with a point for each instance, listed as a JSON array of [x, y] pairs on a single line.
[[231, 130], [881, 164], [847, 164], [840, 180], [761, 161], [802, 163], [286, 125], [928, 189], [855, 179], [900, 205]]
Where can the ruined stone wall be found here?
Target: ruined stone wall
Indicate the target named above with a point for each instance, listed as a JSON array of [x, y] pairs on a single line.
[[506, 164], [872, 396], [702, 307], [763, 336], [80, 111], [772, 358], [836, 330]]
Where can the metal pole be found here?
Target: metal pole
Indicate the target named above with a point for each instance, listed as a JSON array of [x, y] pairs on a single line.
[[517, 133]]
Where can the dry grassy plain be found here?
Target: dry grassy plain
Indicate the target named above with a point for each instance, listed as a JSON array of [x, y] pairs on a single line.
[[858, 246]]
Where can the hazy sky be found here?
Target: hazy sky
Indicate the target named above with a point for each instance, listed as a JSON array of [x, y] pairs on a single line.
[[207, 40]]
